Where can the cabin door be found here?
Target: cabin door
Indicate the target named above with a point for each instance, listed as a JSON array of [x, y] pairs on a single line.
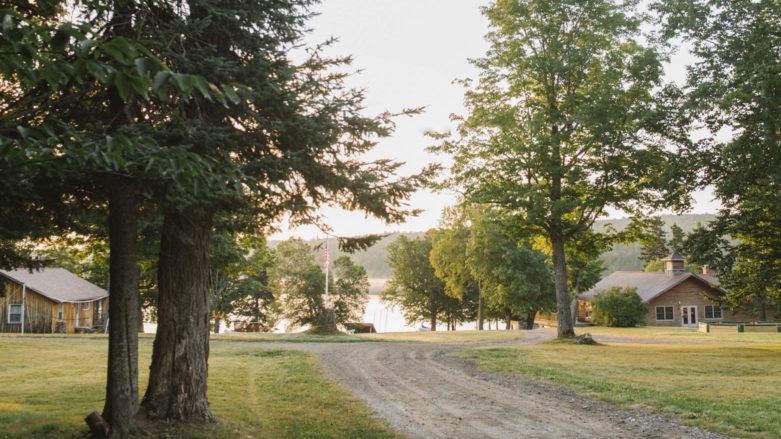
[[689, 316]]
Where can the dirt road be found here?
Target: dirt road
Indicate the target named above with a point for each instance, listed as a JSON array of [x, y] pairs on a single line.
[[426, 392]]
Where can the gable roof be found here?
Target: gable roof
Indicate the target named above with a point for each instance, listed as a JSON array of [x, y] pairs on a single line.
[[648, 285], [57, 284]]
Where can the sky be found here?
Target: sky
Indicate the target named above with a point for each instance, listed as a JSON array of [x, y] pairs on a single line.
[[407, 54]]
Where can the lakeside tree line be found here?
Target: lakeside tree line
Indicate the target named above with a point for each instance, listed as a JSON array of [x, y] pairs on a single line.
[[171, 128]]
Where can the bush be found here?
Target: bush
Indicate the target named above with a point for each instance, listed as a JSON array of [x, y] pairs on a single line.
[[618, 307]]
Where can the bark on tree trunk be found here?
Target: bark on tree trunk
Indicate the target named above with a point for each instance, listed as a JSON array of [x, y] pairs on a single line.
[[216, 325], [564, 320], [140, 319], [508, 321], [763, 311], [433, 320], [122, 383], [530, 316], [177, 377]]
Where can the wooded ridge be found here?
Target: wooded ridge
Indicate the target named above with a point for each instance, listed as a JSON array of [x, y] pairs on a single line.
[[620, 258]]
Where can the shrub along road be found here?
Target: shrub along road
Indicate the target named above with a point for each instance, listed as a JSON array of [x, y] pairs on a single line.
[[425, 391]]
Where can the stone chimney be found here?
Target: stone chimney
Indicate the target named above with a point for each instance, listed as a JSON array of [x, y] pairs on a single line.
[[674, 264]]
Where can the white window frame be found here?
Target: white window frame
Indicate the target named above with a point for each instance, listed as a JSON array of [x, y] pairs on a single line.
[[20, 313], [664, 313], [60, 312], [713, 312]]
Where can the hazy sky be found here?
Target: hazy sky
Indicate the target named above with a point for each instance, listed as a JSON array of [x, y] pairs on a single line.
[[409, 52]]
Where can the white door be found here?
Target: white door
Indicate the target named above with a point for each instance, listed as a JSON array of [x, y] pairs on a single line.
[[689, 316]]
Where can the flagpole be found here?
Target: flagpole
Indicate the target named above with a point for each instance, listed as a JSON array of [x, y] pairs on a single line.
[[327, 266]]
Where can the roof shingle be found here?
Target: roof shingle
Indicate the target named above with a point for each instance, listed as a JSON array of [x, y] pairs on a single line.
[[648, 285], [58, 284]]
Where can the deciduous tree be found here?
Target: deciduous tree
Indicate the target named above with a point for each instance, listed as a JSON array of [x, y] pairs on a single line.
[[563, 122], [414, 287]]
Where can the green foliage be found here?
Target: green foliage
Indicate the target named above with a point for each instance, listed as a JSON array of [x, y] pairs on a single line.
[[449, 252], [657, 266], [515, 279], [618, 307], [299, 283], [650, 234], [735, 88], [414, 286], [677, 238], [238, 280], [349, 290], [565, 122]]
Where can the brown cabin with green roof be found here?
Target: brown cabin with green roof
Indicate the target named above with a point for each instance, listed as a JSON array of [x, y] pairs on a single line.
[[674, 298]]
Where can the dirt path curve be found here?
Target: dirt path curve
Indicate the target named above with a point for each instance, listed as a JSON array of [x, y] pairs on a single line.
[[426, 392]]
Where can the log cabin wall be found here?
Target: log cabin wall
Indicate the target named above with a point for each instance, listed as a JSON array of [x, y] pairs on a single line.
[[37, 312]]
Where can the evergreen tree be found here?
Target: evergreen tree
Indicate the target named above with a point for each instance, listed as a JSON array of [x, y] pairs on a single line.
[[75, 128], [677, 238], [735, 87], [649, 232], [286, 143]]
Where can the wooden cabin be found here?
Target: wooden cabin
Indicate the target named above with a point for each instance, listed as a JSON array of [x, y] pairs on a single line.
[[50, 300], [674, 298]]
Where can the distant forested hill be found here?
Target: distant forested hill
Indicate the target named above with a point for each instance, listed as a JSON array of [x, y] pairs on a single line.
[[621, 257], [372, 259], [626, 257]]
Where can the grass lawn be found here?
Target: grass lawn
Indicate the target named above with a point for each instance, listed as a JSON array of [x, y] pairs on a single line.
[[734, 390], [682, 335], [49, 384], [468, 336]]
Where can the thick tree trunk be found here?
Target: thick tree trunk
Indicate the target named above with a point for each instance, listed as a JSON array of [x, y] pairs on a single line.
[[763, 311], [122, 384], [564, 319], [140, 319], [326, 322], [433, 320], [177, 377], [530, 316], [480, 313], [508, 321], [217, 322]]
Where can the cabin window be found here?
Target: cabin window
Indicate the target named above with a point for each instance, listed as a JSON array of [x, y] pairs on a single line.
[[664, 313], [14, 313], [712, 312], [59, 312]]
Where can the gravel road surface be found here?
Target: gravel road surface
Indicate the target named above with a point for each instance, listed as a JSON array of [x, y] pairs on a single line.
[[424, 391]]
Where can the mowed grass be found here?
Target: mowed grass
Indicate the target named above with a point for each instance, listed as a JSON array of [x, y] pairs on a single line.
[[50, 384], [734, 390], [682, 335]]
